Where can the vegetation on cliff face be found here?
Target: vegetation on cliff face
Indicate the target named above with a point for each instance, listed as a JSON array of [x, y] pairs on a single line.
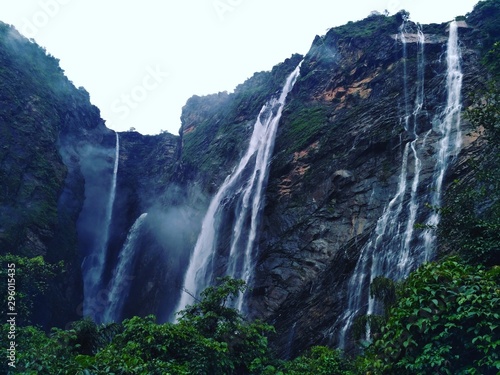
[[372, 26], [442, 318], [214, 127], [471, 214], [471, 217], [44, 120], [32, 176], [39, 107], [486, 18]]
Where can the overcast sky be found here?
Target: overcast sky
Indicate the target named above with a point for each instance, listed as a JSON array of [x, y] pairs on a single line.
[[141, 60]]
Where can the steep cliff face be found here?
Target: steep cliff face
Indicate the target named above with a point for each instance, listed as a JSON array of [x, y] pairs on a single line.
[[338, 162], [367, 91], [47, 126]]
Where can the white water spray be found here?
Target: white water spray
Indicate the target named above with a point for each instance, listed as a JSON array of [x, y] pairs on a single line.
[[449, 129], [250, 194], [93, 265], [404, 261], [119, 285]]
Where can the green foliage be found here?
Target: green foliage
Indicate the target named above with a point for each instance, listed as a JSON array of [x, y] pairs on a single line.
[[213, 309], [445, 321], [359, 328], [470, 223], [491, 61], [145, 347], [36, 353], [238, 343], [61, 351], [485, 113], [486, 17], [88, 338], [319, 360], [371, 25], [306, 124], [32, 278], [209, 338], [383, 289]]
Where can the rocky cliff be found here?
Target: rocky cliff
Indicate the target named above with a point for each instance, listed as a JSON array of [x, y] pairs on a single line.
[[342, 141], [328, 190]]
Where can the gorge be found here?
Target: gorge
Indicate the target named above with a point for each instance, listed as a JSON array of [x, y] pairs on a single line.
[[308, 181]]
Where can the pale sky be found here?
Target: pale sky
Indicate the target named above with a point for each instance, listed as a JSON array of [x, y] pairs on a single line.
[[141, 60]]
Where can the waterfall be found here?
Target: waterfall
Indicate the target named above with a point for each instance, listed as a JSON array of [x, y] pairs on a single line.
[[392, 251], [93, 264], [449, 129], [404, 260], [119, 284], [248, 191]]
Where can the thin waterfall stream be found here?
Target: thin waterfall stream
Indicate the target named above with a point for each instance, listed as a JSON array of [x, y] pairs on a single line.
[[449, 129], [93, 264]]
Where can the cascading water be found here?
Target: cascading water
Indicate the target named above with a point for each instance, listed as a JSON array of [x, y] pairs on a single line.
[[93, 264], [449, 129], [248, 191], [392, 251], [412, 126], [120, 282]]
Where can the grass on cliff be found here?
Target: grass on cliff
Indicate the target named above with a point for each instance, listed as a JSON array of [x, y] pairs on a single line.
[[374, 24], [222, 123]]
